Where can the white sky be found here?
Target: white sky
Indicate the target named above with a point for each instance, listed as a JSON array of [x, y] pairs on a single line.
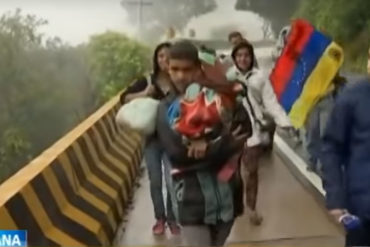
[[74, 20]]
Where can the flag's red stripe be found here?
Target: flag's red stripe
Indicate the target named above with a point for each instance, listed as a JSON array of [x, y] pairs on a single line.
[[299, 36]]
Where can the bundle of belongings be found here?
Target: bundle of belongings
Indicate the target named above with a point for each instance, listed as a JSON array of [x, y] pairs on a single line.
[[207, 114], [128, 116]]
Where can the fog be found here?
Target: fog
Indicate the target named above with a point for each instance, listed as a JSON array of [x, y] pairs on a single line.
[[75, 21], [217, 24]]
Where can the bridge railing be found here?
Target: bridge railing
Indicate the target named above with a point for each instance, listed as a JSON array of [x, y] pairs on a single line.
[[75, 193], [224, 44]]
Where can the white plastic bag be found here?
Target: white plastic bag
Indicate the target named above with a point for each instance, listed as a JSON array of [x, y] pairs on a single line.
[[139, 114]]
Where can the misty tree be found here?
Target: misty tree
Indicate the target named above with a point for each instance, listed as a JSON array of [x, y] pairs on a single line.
[[35, 98], [17, 36], [115, 61], [162, 14], [47, 86]]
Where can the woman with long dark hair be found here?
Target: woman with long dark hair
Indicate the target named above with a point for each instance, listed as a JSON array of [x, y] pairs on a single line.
[[157, 85], [261, 101]]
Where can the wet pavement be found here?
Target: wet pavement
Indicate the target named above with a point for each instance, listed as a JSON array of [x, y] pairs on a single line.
[[293, 216]]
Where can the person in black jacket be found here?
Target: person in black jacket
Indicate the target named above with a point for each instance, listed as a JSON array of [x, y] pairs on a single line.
[[346, 160], [316, 123], [206, 186], [157, 85]]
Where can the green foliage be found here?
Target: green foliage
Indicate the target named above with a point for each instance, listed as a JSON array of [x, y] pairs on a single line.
[[115, 60], [14, 144], [347, 22], [47, 87]]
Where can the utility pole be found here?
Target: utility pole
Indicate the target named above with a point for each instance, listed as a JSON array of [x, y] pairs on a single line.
[[140, 4]]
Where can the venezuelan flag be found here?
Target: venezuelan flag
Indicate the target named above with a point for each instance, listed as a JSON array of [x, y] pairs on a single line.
[[305, 70]]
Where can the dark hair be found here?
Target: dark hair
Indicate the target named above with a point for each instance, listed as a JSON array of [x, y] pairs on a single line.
[[339, 80], [234, 34], [243, 45], [156, 68], [184, 50]]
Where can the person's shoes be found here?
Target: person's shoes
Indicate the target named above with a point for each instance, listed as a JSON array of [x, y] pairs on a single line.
[[255, 218], [174, 228], [159, 227]]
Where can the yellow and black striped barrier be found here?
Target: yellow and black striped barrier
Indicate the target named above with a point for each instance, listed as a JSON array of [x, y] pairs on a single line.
[[75, 193]]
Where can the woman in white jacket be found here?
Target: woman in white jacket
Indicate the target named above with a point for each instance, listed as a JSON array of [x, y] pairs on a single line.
[[261, 101]]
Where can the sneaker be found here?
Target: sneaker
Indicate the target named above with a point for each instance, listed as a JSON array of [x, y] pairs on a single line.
[[174, 228], [159, 227]]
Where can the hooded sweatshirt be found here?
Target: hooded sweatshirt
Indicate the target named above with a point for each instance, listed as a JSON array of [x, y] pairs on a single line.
[[261, 100]]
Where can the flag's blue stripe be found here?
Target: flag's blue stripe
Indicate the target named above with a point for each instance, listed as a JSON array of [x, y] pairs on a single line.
[[305, 64]]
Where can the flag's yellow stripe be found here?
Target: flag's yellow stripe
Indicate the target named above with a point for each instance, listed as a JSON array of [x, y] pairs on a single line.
[[317, 84]]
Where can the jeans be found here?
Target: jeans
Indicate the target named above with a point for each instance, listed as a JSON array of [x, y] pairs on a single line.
[[153, 158], [170, 186], [251, 158]]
